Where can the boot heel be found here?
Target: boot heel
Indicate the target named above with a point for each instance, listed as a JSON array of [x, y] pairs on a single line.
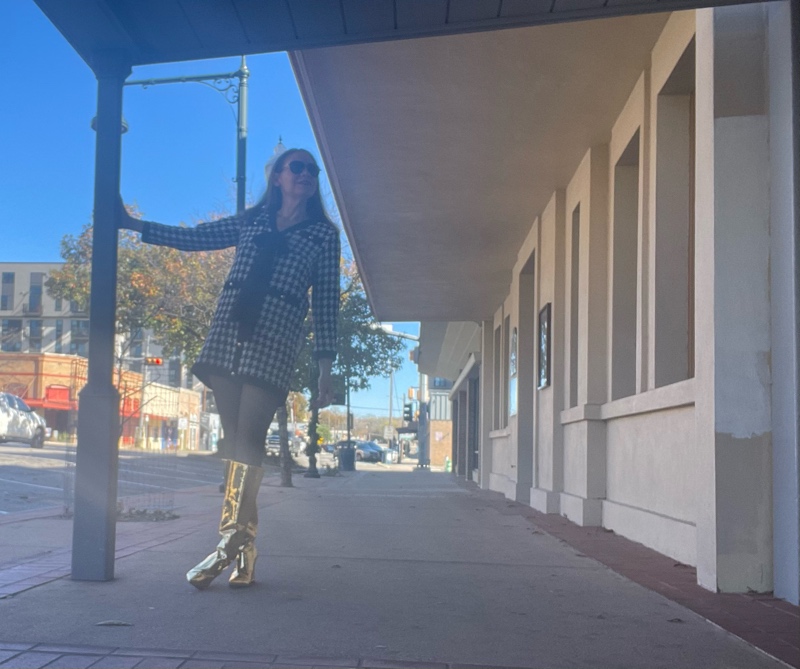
[[244, 573]]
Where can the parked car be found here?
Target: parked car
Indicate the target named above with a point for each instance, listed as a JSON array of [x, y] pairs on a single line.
[[273, 444], [18, 422], [368, 451]]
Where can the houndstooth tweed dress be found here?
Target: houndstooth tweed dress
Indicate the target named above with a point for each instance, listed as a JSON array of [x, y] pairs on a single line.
[[309, 258]]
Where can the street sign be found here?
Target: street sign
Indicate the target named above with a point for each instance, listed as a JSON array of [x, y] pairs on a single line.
[[389, 433]]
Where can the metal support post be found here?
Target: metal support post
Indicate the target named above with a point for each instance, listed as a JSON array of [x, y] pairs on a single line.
[[241, 138], [794, 9], [94, 526]]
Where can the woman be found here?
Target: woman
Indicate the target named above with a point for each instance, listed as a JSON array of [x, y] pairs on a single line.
[[285, 245]]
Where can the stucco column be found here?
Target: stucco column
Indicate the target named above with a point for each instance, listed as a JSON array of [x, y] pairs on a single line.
[[783, 38], [463, 455], [549, 400], [584, 431], [732, 360], [486, 395]]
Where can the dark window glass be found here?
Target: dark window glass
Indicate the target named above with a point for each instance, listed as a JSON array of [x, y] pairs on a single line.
[[59, 336], [35, 294], [7, 292], [11, 335], [35, 337], [79, 337]]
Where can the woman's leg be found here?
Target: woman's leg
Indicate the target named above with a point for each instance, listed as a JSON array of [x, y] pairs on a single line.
[[227, 397], [257, 408], [248, 411]]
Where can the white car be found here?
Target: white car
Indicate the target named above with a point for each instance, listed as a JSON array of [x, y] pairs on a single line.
[[18, 422]]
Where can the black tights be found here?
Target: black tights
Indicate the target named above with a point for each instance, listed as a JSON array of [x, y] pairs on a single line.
[[246, 412]]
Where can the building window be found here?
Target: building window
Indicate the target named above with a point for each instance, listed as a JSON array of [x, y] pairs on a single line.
[[11, 335], [174, 371], [59, 344], [674, 224], [35, 336], [625, 248], [79, 338], [59, 305], [7, 294], [35, 294], [76, 308]]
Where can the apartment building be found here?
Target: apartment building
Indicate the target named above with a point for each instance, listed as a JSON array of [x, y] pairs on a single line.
[[44, 343], [33, 322]]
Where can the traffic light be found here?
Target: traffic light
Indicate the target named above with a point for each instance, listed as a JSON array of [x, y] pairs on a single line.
[[153, 361], [408, 412]]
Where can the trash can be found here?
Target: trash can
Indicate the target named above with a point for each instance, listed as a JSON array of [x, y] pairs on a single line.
[[347, 457]]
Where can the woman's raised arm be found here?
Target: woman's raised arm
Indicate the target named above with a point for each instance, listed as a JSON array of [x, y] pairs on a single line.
[[208, 236]]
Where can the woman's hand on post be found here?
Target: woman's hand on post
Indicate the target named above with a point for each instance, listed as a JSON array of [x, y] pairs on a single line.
[[126, 221]]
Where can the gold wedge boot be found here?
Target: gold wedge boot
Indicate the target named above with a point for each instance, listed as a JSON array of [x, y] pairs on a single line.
[[244, 569], [241, 490]]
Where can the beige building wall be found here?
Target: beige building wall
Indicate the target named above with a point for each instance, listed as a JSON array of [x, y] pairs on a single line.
[[655, 260]]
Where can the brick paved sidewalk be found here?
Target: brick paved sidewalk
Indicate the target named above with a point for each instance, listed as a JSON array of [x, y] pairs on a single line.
[[24, 656], [29, 572]]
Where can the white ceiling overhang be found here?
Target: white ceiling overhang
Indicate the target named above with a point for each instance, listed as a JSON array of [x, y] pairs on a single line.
[[442, 151], [471, 371], [445, 347]]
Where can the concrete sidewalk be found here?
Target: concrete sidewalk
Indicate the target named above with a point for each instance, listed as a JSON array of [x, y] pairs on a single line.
[[375, 568]]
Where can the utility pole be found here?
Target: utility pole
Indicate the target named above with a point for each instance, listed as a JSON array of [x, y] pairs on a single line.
[[391, 412]]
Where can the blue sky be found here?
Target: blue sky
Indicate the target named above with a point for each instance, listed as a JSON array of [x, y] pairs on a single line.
[[178, 158]]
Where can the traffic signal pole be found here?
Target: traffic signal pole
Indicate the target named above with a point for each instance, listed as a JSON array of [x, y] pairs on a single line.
[[423, 459], [145, 352]]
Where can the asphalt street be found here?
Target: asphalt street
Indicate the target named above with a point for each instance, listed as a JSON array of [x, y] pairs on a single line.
[[33, 479]]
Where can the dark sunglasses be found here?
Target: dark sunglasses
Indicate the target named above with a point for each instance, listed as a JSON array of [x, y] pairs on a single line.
[[297, 167]]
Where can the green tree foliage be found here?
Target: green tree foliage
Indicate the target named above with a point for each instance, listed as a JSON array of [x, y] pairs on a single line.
[[364, 351]]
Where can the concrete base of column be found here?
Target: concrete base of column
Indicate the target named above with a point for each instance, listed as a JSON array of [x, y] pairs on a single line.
[[94, 526], [545, 501], [582, 511]]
